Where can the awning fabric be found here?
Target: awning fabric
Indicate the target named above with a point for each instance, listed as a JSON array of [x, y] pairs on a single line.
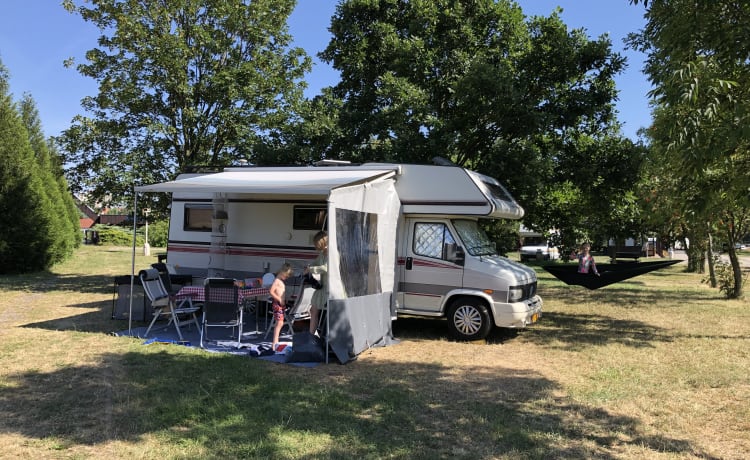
[[361, 266], [319, 181]]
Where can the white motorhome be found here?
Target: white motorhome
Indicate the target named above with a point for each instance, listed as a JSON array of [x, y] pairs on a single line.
[[249, 220]]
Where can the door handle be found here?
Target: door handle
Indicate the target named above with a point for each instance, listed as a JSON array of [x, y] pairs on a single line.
[[408, 263]]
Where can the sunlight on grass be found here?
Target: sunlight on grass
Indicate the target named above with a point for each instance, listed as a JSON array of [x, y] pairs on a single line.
[[656, 367]]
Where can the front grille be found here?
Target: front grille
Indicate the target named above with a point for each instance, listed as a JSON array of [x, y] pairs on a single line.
[[529, 291]]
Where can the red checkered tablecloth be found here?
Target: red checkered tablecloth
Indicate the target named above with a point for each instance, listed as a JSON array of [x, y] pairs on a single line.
[[197, 293]]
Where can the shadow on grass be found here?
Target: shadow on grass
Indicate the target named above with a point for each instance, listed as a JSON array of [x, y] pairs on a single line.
[[45, 282], [79, 287], [227, 407], [416, 328], [571, 329], [579, 331], [627, 293], [94, 321]]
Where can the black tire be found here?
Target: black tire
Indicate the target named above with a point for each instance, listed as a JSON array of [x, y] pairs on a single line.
[[469, 319]]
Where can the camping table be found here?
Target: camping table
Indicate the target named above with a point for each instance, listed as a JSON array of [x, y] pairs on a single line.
[[198, 294]]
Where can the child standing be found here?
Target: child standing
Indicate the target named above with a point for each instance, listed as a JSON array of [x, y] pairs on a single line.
[[586, 262], [278, 299]]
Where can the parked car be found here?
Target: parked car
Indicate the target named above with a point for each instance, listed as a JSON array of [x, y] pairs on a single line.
[[737, 247], [535, 247]]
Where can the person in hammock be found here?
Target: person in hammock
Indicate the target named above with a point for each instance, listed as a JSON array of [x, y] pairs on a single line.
[[586, 263]]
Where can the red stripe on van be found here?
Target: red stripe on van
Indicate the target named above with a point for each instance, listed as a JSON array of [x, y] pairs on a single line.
[[429, 263]]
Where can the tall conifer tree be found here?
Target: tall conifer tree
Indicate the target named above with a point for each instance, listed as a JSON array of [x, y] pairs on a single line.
[[61, 243], [27, 231]]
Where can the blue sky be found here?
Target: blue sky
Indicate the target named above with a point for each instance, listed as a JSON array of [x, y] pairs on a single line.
[[36, 36]]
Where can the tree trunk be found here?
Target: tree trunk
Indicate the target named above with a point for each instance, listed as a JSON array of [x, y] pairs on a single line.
[[737, 272], [692, 259], [710, 257], [696, 259]]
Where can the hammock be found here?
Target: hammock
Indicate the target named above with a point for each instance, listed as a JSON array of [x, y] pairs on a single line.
[[610, 273]]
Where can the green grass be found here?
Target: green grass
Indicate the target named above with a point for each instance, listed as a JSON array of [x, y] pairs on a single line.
[[656, 367]]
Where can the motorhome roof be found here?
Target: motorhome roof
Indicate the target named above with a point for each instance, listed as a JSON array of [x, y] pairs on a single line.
[[320, 166], [422, 189]]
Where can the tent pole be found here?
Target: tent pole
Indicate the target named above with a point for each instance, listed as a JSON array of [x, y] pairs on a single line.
[[132, 263], [328, 307]]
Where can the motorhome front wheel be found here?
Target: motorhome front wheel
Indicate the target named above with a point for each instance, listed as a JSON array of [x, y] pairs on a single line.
[[469, 319]]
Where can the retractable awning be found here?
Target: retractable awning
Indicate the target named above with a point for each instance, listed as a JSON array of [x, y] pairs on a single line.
[[276, 181]]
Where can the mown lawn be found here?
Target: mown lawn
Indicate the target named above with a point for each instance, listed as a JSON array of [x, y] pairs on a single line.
[[654, 367]]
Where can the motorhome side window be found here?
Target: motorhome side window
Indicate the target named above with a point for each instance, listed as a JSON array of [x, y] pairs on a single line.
[[432, 239], [197, 218], [309, 217], [498, 191]]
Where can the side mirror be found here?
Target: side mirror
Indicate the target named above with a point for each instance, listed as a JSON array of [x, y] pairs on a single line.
[[459, 256]]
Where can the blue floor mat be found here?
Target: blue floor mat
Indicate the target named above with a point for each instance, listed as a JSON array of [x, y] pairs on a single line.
[[253, 343]]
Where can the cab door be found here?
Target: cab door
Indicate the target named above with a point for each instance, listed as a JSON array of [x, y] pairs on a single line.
[[428, 268]]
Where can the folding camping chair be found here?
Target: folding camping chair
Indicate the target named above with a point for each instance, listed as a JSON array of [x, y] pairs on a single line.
[[166, 274], [221, 307], [164, 304], [300, 308]]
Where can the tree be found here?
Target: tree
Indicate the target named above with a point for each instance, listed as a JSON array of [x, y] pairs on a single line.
[[308, 140], [184, 82], [64, 231], [697, 61], [71, 209], [28, 229], [478, 83], [421, 77], [590, 193]]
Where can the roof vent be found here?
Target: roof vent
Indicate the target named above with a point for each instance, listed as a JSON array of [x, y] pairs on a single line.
[[332, 163]]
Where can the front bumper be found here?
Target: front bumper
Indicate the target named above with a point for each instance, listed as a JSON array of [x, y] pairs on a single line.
[[517, 314]]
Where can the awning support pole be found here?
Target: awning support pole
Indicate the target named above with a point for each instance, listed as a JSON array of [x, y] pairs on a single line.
[[132, 262]]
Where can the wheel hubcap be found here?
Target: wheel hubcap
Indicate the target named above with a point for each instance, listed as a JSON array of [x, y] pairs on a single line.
[[467, 320]]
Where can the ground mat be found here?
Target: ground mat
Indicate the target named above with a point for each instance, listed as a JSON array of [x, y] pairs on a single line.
[[253, 343]]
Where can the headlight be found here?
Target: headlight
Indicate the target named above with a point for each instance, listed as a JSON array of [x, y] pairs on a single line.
[[515, 294]]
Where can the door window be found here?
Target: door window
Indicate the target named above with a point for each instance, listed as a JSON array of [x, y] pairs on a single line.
[[432, 239]]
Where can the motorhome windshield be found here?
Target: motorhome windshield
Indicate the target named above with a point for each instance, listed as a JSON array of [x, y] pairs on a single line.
[[474, 238]]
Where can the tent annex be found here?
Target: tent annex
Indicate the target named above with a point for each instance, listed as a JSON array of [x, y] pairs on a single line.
[[363, 209]]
